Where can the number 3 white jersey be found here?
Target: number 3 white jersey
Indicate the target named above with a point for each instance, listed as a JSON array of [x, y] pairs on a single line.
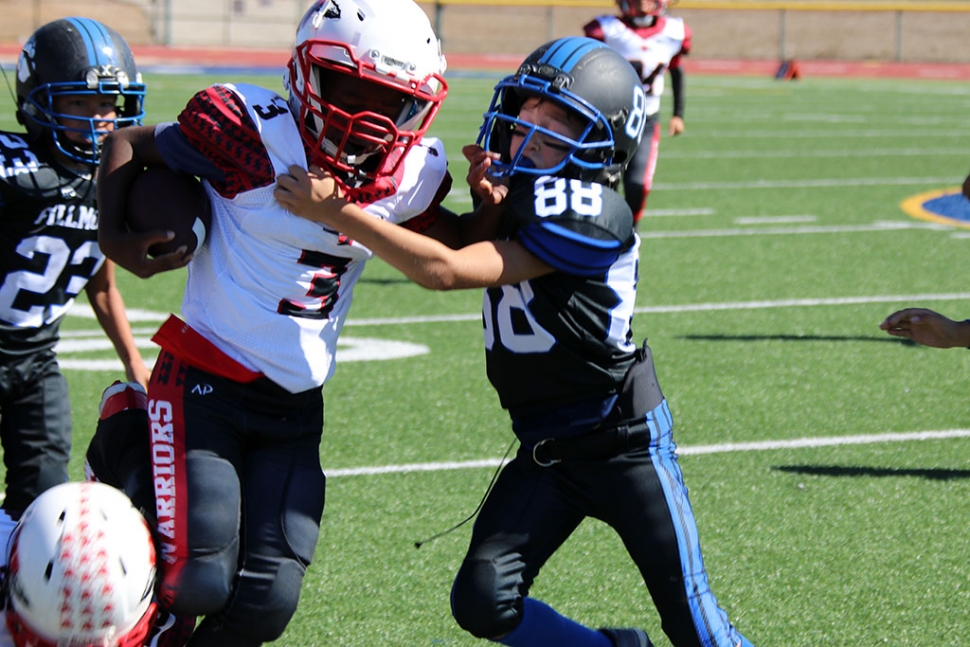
[[268, 288], [649, 49]]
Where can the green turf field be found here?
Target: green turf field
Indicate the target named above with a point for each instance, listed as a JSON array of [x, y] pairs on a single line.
[[774, 246]]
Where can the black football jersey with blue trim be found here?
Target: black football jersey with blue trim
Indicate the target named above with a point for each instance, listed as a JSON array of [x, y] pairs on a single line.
[[565, 336], [48, 243]]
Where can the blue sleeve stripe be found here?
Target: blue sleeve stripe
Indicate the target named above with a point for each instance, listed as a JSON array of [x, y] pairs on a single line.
[[562, 232], [577, 255]]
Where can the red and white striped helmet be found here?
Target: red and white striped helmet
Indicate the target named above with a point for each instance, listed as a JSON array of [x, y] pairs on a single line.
[[81, 570]]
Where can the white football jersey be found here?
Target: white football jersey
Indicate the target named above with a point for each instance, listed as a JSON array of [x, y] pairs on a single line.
[[268, 288], [650, 51]]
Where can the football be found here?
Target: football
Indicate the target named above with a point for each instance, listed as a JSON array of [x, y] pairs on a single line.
[[163, 199]]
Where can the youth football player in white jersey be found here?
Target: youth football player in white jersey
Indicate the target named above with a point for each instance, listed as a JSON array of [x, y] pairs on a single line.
[[235, 401], [560, 270], [653, 43]]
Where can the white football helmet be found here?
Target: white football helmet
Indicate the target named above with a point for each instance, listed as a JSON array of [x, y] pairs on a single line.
[[643, 13], [81, 570], [365, 81]]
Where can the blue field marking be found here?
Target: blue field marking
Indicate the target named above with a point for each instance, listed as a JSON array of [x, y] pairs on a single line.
[[943, 206]]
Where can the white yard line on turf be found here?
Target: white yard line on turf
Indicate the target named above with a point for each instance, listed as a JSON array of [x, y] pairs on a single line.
[[688, 450], [699, 307], [82, 311]]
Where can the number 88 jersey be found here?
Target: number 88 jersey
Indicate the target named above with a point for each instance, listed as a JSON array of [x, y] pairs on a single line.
[[565, 336]]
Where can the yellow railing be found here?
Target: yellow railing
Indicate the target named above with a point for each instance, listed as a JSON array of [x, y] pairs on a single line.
[[747, 5]]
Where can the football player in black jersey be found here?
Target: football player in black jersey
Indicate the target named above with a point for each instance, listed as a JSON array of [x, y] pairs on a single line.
[[76, 82], [555, 248]]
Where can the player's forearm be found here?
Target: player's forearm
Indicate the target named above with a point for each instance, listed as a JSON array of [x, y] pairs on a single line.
[[677, 87], [957, 334], [109, 309], [120, 164], [424, 260]]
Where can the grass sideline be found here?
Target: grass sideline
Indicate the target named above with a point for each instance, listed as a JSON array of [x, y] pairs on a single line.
[[767, 265]]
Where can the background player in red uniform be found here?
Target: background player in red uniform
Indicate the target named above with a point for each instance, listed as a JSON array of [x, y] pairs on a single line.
[[559, 265], [653, 43], [76, 82], [235, 401]]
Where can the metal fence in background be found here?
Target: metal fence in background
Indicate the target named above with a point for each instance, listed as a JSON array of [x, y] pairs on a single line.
[[879, 30]]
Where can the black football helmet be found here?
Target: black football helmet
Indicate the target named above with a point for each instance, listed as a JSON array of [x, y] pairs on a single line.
[[592, 81], [76, 56]]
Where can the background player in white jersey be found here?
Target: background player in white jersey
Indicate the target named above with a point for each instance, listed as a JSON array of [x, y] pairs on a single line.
[[653, 43], [560, 272], [235, 401], [76, 82]]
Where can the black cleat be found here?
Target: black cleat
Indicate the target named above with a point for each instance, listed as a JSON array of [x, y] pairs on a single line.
[[627, 637]]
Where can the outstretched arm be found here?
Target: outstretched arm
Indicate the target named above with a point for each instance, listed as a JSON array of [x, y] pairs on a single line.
[[928, 328], [424, 260]]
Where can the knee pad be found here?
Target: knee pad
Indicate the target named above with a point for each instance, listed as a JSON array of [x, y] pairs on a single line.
[[485, 599], [199, 581], [263, 604], [267, 590]]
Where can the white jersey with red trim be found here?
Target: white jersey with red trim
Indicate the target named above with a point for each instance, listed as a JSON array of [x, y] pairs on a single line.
[[268, 288], [649, 49]]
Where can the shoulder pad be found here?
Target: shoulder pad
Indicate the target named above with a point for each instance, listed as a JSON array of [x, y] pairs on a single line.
[[578, 227]]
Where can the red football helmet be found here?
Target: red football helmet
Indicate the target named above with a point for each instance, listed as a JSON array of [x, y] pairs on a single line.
[[365, 81], [643, 12]]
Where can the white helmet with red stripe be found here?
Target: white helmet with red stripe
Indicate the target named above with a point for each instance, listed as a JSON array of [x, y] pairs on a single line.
[[81, 570], [643, 12], [365, 81]]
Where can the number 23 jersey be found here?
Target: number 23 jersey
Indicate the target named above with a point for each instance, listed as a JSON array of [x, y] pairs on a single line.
[[48, 243], [566, 336]]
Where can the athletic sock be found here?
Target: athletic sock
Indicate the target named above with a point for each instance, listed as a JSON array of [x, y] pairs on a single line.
[[542, 625]]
